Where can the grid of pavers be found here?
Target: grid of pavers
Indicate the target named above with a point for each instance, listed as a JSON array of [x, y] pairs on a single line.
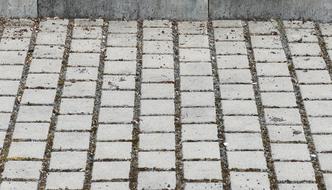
[[224, 104]]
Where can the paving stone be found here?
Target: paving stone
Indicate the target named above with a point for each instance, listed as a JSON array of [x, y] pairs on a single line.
[[327, 178], [122, 40], [232, 61], [68, 160], [83, 59], [22, 185], [198, 186], [157, 141], [194, 54], [322, 142], [243, 141], [246, 160], [82, 73], [229, 34], [157, 34], [38, 96], [45, 66], [325, 161], [116, 115], [235, 76], [85, 45], [197, 99], [301, 35], [195, 68], [35, 113], [71, 140], [121, 53], [295, 186], [275, 84], [290, 133], [249, 180], [17, 31], [294, 171], [200, 150], [272, 69], [157, 23], [264, 41], [35, 131], [76, 106], [6, 103], [8, 87], [158, 47], [202, 170], [158, 61], [22, 169], [196, 83], [105, 170], [269, 55], [236, 91], [109, 185], [309, 62], [158, 75], [113, 150], [47, 52], [197, 115], [156, 180], [12, 57], [316, 91], [193, 41], [118, 82], [122, 27], [120, 67], [74, 122], [239, 107], [162, 160], [227, 48], [79, 88], [282, 116], [318, 108], [157, 107], [42, 80], [63, 180], [241, 123], [87, 32], [313, 76], [114, 132], [227, 23], [299, 24], [320, 125], [195, 27], [307, 49], [199, 132], [262, 27], [51, 38], [284, 99], [157, 90], [14, 44], [4, 120], [290, 152], [11, 71], [157, 123], [117, 98]]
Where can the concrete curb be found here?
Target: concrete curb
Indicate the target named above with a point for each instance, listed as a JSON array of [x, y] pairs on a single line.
[[320, 10]]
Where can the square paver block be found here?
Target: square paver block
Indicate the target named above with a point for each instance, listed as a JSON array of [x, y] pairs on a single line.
[[276, 99], [272, 69], [266, 41], [229, 34], [119, 82], [9, 87], [157, 61], [196, 83], [282, 116], [199, 132], [120, 67], [200, 150], [157, 141], [316, 91], [38, 96], [207, 185], [27, 150], [162, 160], [35, 131], [318, 108], [121, 53], [22, 185], [158, 47], [83, 59], [237, 91], [156, 180], [232, 62], [275, 84], [150, 90], [7, 103], [194, 54], [68, 160], [157, 34], [22, 169], [112, 185], [197, 99], [325, 161], [243, 141], [63, 180], [42, 80], [76, 106], [117, 98], [81, 73], [158, 75], [113, 150], [294, 171], [286, 133], [239, 107], [157, 107], [207, 170], [322, 142], [231, 48], [241, 123], [191, 41], [85, 45], [246, 160], [197, 115], [290, 152], [249, 180], [195, 68], [303, 62], [71, 140], [122, 40], [116, 115], [74, 122], [235, 76], [269, 55], [114, 132], [157, 124], [35, 113], [320, 125], [11, 71], [313, 76], [110, 170]]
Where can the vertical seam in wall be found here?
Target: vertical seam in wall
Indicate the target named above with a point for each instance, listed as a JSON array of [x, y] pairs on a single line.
[[16, 108], [300, 104], [258, 99], [96, 109], [56, 108]]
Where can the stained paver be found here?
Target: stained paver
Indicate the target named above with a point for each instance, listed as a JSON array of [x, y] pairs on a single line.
[[99, 104]]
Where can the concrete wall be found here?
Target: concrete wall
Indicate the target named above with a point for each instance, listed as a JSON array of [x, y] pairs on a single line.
[[170, 9]]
